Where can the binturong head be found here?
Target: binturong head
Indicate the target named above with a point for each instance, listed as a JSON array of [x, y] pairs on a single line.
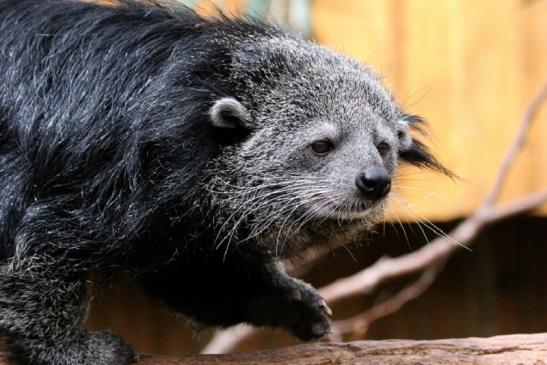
[[322, 140]]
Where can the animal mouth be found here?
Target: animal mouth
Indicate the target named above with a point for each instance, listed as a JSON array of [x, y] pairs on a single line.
[[359, 209]]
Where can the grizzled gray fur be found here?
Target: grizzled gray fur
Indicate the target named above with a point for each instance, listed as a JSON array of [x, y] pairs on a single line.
[[191, 154]]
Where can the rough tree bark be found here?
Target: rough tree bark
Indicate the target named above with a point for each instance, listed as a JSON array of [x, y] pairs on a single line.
[[506, 350]]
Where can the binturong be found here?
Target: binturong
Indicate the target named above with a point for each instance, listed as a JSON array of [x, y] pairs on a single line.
[[191, 154]]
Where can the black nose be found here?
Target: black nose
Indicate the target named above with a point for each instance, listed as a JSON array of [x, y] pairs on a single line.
[[374, 182]]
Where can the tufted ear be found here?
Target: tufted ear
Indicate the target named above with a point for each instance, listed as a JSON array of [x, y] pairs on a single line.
[[227, 112], [413, 151]]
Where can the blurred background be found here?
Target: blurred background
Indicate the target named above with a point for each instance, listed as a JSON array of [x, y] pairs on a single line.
[[469, 68]]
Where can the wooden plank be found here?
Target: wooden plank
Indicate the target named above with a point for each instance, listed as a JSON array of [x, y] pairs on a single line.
[[507, 350]]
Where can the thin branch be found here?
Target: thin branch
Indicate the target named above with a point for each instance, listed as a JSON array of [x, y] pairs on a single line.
[[225, 340], [515, 147], [386, 269], [359, 324], [519, 206]]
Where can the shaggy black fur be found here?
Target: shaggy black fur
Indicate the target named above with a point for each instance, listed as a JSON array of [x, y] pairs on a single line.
[[103, 146], [102, 120], [103, 153]]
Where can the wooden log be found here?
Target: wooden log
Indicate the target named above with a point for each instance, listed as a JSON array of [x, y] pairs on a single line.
[[506, 350]]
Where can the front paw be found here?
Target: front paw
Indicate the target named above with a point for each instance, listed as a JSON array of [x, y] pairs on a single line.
[[293, 305], [308, 315]]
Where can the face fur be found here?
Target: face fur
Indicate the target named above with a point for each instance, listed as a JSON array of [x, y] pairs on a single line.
[[324, 141]]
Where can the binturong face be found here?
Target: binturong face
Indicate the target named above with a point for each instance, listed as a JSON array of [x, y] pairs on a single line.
[[324, 140]]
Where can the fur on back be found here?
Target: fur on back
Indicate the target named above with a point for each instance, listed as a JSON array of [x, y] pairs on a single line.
[[102, 115]]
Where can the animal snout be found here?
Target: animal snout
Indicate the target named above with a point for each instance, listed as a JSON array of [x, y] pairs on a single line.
[[373, 182]]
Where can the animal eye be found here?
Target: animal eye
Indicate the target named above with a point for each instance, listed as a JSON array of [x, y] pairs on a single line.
[[321, 147], [383, 148]]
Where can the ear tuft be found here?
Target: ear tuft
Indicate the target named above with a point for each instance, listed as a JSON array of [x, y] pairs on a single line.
[[229, 113], [418, 154], [414, 151]]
